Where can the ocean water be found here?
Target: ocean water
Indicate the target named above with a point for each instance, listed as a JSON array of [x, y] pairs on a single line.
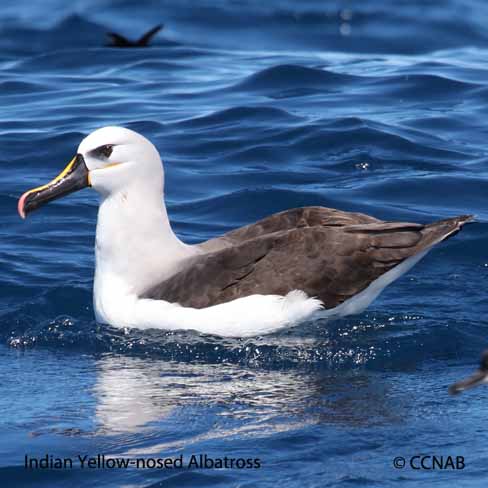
[[256, 107]]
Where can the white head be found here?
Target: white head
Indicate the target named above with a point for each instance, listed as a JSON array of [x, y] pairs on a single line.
[[117, 158], [135, 245], [110, 159]]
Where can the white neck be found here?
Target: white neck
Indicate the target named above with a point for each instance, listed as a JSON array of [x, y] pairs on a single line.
[[135, 246]]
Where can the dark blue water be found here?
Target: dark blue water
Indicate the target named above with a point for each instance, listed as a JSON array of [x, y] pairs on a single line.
[[256, 107]]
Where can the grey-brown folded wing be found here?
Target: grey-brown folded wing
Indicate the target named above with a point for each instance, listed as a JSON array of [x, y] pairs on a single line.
[[296, 218], [331, 262]]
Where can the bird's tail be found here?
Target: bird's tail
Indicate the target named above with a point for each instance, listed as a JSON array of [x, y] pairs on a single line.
[[443, 229]]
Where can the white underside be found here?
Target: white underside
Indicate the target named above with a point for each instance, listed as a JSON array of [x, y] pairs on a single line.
[[243, 317]]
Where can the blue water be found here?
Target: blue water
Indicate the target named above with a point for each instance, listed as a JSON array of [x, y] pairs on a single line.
[[256, 107]]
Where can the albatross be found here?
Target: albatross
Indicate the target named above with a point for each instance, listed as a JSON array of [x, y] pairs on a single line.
[[292, 266]]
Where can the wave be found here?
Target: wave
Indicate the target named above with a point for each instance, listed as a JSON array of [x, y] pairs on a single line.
[[240, 115], [273, 26], [289, 76], [421, 86]]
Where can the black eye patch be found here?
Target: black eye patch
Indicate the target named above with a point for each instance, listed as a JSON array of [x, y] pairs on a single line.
[[103, 151]]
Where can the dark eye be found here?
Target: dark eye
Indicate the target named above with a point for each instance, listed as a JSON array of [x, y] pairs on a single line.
[[106, 150]]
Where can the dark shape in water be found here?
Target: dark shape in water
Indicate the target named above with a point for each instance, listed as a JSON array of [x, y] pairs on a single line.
[[480, 377], [121, 41]]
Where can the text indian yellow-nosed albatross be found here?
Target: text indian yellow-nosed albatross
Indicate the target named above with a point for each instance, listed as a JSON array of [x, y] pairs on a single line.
[[289, 267]]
